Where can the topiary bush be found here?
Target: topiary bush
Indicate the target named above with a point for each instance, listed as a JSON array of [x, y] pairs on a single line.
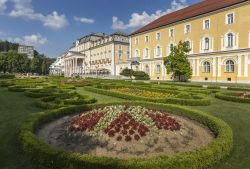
[[184, 95], [47, 157]]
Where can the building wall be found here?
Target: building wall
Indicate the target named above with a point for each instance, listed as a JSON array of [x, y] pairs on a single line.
[[217, 34]]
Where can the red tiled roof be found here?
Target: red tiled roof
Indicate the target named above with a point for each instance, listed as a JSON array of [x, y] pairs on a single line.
[[203, 7]]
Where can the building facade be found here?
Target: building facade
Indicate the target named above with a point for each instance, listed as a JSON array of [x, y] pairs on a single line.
[[57, 68], [217, 31], [28, 50], [97, 54]]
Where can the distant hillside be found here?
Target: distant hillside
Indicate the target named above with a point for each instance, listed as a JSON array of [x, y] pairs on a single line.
[[6, 46]]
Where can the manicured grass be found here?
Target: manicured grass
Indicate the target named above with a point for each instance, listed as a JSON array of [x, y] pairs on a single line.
[[237, 115], [100, 98], [14, 109]]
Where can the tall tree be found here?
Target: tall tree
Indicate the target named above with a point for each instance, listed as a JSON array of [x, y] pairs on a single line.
[[177, 62], [3, 62]]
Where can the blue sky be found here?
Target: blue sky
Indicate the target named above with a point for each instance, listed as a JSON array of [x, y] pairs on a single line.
[[52, 25]]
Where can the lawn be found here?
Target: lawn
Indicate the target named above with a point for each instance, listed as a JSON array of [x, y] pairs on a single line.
[[15, 107]]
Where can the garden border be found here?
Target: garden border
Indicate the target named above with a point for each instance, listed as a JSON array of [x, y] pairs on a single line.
[[202, 101], [226, 96]]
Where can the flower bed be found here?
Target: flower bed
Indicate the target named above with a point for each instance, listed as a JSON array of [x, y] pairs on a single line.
[[234, 96], [142, 93], [123, 122], [175, 97], [48, 157]]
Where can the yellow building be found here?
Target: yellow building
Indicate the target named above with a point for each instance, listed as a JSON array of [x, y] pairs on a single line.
[[218, 32], [97, 54]]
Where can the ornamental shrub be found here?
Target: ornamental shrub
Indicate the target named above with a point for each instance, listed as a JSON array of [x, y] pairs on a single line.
[[184, 95]]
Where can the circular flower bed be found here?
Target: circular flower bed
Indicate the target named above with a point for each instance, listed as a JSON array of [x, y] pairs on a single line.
[[111, 127]]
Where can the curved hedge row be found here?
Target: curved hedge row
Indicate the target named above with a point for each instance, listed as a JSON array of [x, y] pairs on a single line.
[[229, 96], [47, 157], [199, 100]]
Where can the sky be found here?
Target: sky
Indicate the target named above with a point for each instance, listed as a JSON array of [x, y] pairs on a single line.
[[53, 25]]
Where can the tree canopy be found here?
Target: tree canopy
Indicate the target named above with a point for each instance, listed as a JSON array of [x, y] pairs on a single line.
[[177, 62], [12, 62]]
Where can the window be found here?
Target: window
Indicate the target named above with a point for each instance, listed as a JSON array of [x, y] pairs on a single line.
[[158, 36], [158, 69], [207, 43], [230, 40], [230, 18], [171, 47], [136, 53], [136, 41], [206, 24], [146, 53], [147, 69], [188, 44], [171, 32], [206, 67], [230, 66], [146, 39], [158, 51], [187, 29]]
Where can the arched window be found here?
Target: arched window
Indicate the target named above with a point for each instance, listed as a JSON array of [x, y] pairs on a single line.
[[147, 69], [206, 66], [230, 66], [158, 51], [158, 68], [230, 40], [207, 43], [171, 47], [146, 53], [137, 53], [188, 44]]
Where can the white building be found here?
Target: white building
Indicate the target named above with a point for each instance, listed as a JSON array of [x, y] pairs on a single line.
[[57, 68], [97, 54], [28, 50]]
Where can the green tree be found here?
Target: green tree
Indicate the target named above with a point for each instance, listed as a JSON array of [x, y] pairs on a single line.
[[3, 62], [127, 73], [177, 62]]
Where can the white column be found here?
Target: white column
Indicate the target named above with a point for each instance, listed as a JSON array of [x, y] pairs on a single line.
[[151, 69], [214, 66], [246, 65], [130, 47], [113, 71], [219, 66], [193, 67], [239, 66], [198, 67], [163, 68]]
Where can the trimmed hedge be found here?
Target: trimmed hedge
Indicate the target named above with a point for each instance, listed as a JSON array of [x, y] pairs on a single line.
[[7, 76], [47, 157], [229, 96], [199, 100]]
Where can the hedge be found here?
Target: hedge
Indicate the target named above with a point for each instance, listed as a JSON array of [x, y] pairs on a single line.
[[229, 96], [47, 157], [7, 76], [199, 100]]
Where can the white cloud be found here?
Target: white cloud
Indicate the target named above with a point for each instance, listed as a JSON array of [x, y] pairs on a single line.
[[32, 40], [55, 21], [2, 6], [24, 9], [138, 20], [84, 20]]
